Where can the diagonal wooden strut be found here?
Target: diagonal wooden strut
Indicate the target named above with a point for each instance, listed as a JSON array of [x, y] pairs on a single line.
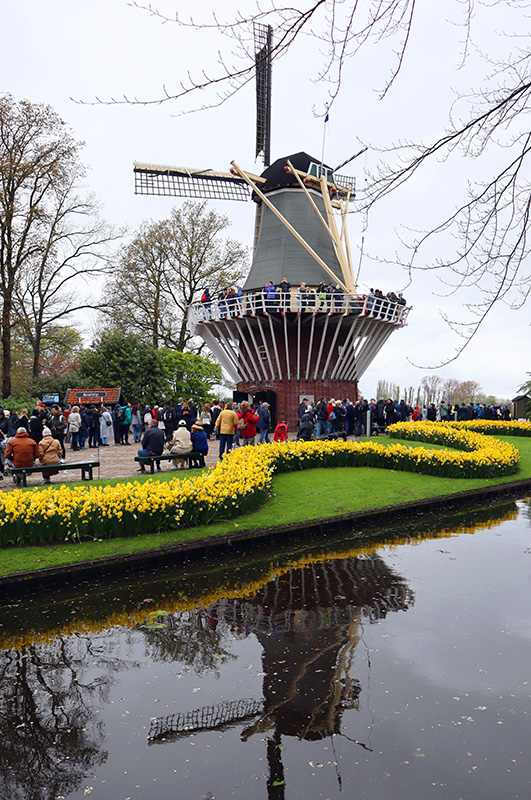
[[288, 225]]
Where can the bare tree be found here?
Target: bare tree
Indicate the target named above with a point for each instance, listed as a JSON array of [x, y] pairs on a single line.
[[455, 391], [469, 391], [138, 282], [49, 288], [409, 395], [490, 225], [385, 389], [431, 388], [48, 235], [166, 267], [451, 390]]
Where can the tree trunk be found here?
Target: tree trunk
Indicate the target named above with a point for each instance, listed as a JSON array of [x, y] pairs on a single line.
[[6, 348], [36, 356]]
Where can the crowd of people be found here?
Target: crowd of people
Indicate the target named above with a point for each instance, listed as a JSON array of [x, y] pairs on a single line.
[[334, 416], [185, 427], [43, 435], [327, 298]]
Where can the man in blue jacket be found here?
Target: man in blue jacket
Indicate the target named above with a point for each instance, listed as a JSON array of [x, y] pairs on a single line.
[[264, 422]]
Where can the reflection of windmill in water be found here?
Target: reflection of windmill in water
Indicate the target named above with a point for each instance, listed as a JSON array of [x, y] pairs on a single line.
[[292, 344], [308, 622]]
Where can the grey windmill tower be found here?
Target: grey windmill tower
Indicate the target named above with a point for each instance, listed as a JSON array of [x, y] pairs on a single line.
[[317, 338]]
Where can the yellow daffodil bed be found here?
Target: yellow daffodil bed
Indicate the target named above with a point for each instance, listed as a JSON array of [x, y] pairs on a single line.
[[243, 480]]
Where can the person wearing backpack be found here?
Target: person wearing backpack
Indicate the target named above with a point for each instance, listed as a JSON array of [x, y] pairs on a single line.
[[321, 414], [249, 418], [58, 427], [337, 417], [169, 417], [215, 411], [125, 423], [226, 425]]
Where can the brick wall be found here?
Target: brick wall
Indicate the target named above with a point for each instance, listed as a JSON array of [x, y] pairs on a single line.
[[288, 394]]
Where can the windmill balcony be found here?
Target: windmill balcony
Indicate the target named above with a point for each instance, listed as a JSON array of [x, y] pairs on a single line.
[[253, 304]]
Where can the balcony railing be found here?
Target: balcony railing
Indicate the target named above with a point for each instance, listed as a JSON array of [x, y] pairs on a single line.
[[252, 304]]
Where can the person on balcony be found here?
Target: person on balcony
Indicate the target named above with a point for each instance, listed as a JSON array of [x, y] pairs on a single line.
[[231, 302], [239, 301], [311, 300], [321, 297], [285, 287], [338, 299], [302, 293], [270, 298], [222, 304], [206, 301], [330, 289]]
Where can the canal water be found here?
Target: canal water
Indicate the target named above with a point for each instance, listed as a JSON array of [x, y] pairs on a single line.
[[398, 667]]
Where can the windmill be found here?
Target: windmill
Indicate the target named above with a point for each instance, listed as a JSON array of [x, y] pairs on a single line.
[[317, 338]]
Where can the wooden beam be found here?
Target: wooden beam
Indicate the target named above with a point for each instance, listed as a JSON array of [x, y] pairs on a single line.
[[348, 277]]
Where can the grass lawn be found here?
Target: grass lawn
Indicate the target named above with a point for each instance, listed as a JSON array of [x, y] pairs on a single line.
[[297, 496]]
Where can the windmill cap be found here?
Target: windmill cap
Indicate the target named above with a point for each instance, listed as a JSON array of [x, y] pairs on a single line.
[[276, 176]]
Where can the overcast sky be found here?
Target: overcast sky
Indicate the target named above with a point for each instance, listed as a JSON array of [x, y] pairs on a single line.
[[60, 52]]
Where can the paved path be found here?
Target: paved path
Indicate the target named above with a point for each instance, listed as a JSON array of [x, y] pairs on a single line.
[[116, 461]]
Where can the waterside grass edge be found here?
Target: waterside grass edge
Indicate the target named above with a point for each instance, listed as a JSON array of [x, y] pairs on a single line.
[[298, 497]]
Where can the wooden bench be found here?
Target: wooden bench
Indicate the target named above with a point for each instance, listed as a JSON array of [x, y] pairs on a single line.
[[330, 437], [19, 473], [193, 456]]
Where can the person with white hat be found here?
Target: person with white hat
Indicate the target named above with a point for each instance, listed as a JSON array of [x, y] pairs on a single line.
[[180, 444]]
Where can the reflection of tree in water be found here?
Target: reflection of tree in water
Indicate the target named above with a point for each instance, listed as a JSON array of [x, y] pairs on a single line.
[[49, 733], [195, 639]]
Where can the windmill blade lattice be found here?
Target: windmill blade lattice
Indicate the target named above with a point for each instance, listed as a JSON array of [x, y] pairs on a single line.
[[215, 717], [263, 41], [156, 179]]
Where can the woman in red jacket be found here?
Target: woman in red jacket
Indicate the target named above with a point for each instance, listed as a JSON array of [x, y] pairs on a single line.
[[248, 418]]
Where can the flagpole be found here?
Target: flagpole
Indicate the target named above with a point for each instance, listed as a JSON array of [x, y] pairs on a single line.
[[324, 134]]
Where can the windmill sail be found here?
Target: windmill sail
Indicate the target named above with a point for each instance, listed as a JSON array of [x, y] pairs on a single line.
[[263, 38], [156, 179]]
